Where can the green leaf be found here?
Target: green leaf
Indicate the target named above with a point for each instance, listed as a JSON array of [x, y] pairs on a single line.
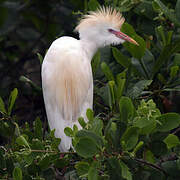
[[68, 131], [86, 147], [158, 148], [136, 51], [90, 114], [96, 138], [171, 169], [160, 31], [12, 99], [17, 173], [38, 131], [168, 122], [173, 71], [176, 59], [93, 5], [126, 108], [97, 126], [166, 53], [149, 156], [40, 58], [146, 125], [161, 78], [114, 168], [171, 141], [178, 163], [82, 122], [45, 162], [169, 14], [120, 84], [22, 141], [107, 72], [138, 88], [112, 92], [26, 80], [126, 174], [93, 172], [177, 10], [82, 168], [61, 163], [75, 129], [120, 58], [96, 62], [130, 138], [2, 106]]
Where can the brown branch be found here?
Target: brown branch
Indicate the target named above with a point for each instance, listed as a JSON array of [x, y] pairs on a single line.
[[171, 157], [154, 166], [47, 151], [176, 131]]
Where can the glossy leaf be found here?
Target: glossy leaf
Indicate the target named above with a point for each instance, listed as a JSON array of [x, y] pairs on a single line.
[[168, 122], [112, 92], [126, 108], [40, 58], [12, 99], [22, 141], [82, 168], [136, 51], [149, 156], [93, 5], [96, 62], [106, 70], [90, 114], [121, 80], [177, 10], [93, 172], [130, 138], [17, 173], [2, 106], [82, 122], [96, 138], [171, 141], [173, 71], [138, 88], [86, 147], [69, 132], [126, 174], [120, 58], [38, 128]]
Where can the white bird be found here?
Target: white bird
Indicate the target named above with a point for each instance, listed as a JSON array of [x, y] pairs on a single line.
[[67, 80]]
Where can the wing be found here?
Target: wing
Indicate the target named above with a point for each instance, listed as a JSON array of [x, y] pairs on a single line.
[[67, 78], [73, 82], [67, 87]]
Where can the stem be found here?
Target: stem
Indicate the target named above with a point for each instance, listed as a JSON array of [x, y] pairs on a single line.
[[151, 165], [46, 151]]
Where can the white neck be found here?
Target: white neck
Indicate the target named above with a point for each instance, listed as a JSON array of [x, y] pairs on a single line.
[[89, 48]]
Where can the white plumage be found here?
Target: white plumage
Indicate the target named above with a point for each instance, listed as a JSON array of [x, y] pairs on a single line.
[[67, 80]]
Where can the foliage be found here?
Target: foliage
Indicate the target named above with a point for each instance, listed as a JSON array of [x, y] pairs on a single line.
[[133, 132]]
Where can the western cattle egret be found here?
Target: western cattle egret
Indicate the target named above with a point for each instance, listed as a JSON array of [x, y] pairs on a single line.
[[67, 80]]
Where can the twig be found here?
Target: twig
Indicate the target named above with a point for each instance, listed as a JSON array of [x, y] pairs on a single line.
[[47, 151], [176, 131], [171, 157], [151, 165]]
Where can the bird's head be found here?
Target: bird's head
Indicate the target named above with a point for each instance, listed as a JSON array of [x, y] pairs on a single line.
[[103, 27]]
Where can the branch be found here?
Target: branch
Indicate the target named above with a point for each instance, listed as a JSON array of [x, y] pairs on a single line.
[[154, 166], [171, 157], [47, 151]]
